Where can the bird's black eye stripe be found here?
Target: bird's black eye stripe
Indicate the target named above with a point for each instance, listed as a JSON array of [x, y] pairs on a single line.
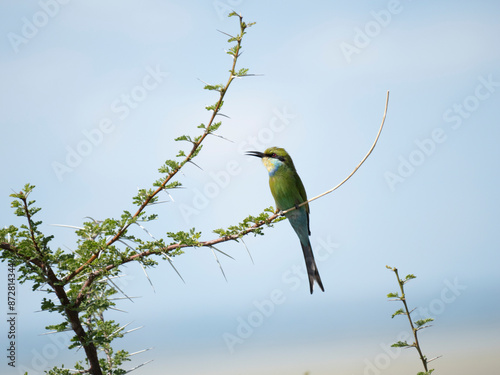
[[275, 156]]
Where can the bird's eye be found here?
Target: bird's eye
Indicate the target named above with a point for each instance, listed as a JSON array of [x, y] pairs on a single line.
[[274, 155]]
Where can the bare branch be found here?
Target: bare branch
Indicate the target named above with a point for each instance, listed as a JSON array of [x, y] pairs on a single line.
[[355, 169]]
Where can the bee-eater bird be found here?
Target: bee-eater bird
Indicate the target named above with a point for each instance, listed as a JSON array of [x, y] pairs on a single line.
[[288, 192]]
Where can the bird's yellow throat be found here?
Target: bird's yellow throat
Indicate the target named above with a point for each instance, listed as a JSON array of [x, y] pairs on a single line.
[[271, 164]]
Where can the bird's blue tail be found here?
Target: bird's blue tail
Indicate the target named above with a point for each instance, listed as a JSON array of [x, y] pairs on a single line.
[[300, 223], [312, 270]]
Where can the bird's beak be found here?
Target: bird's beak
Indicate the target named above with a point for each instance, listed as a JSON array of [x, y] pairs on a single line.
[[255, 153]]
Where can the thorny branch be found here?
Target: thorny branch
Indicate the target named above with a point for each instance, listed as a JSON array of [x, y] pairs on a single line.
[[57, 284], [187, 159]]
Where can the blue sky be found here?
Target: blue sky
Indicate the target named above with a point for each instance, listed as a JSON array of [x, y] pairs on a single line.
[[103, 88]]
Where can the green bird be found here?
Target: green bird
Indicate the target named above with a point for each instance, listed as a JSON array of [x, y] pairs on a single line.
[[288, 191]]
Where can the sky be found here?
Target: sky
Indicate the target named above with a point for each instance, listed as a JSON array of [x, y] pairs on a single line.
[[93, 94]]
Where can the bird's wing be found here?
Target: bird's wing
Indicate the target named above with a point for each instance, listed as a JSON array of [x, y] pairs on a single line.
[[302, 192], [303, 198]]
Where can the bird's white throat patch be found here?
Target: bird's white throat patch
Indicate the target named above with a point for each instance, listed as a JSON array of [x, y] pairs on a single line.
[[272, 164]]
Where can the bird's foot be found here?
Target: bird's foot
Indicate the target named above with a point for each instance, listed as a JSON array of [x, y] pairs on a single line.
[[280, 213]]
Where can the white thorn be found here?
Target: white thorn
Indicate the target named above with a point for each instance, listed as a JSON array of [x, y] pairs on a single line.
[[217, 259]]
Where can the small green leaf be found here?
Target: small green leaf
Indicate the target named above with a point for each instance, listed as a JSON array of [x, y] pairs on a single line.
[[401, 344], [241, 72], [218, 87], [173, 185], [184, 138], [185, 238], [232, 51], [421, 322], [215, 126], [399, 312]]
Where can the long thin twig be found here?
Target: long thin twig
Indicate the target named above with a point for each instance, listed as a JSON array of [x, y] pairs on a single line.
[[355, 169]]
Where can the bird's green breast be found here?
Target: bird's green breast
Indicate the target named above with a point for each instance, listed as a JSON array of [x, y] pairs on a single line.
[[286, 189]]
